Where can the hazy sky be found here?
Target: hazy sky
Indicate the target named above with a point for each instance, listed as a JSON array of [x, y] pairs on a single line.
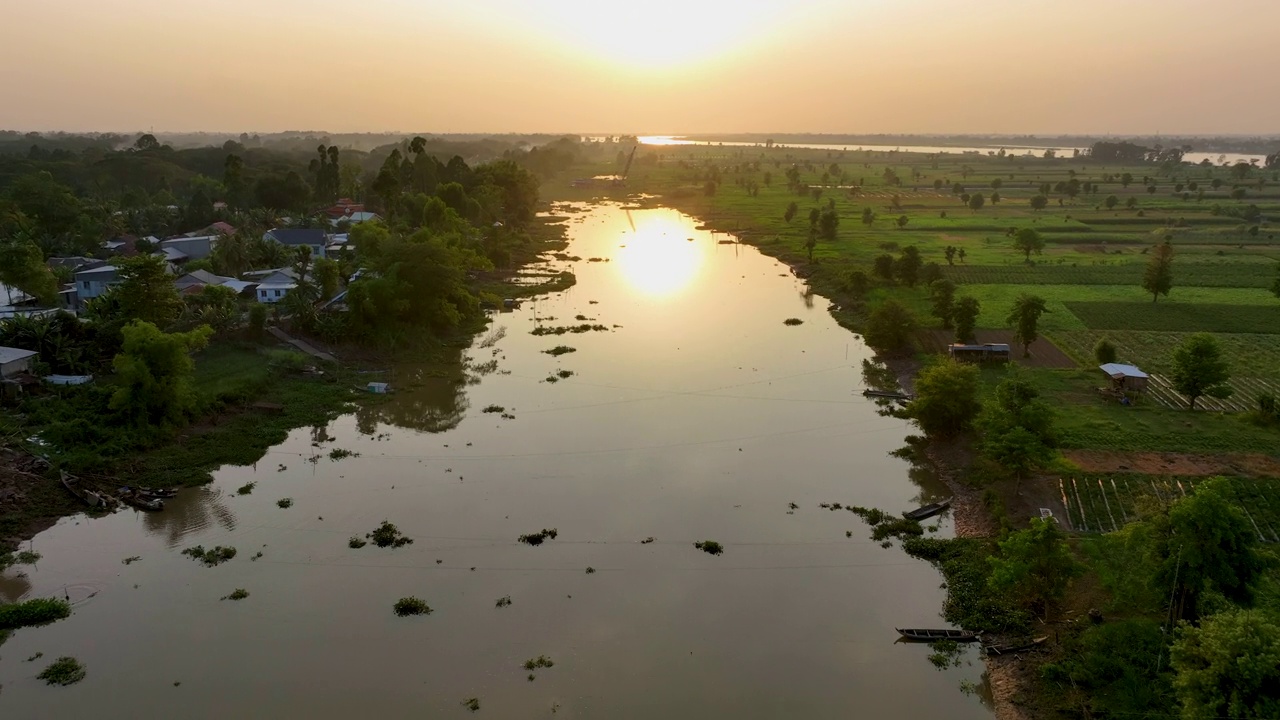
[[662, 66]]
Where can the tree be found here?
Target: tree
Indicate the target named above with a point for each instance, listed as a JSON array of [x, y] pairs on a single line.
[[146, 142], [1025, 317], [1198, 369], [811, 242], [1039, 202], [997, 183], [950, 254], [1229, 666], [946, 400], [1205, 543], [327, 277], [153, 373], [976, 201], [859, 284], [1035, 564], [1111, 202], [1126, 179], [908, 266], [1158, 277], [145, 292], [22, 268], [792, 209], [1104, 351], [902, 221], [1017, 427], [884, 267], [965, 316], [257, 320], [942, 295], [890, 327], [868, 217], [828, 223], [1028, 241], [995, 198]]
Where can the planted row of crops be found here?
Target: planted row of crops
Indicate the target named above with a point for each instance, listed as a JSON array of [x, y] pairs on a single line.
[[1244, 396], [1252, 354], [1120, 272], [1100, 504], [1177, 317]]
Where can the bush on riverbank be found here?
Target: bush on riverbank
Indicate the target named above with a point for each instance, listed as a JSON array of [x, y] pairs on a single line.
[[970, 604]]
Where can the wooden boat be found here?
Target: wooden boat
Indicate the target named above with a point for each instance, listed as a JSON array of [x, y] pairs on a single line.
[[927, 511], [930, 635], [1013, 647], [140, 501], [887, 394], [88, 497], [157, 492]]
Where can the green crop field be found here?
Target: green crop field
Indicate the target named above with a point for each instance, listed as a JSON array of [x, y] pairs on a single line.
[[1177, 317], [1098, 231]]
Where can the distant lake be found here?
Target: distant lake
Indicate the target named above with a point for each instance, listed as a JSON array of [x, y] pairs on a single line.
[[1192, 157]]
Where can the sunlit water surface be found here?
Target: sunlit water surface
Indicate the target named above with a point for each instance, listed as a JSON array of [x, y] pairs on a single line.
[[696, 415]]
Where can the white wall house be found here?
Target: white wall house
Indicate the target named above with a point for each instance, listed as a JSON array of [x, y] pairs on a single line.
[[274, 287], [194, 248]]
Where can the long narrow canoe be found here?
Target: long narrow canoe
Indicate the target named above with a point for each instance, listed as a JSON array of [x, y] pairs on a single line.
[[927, 511], [937, 634]]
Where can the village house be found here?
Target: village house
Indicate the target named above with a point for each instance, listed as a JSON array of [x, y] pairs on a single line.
[[273, 287], [313, 238], [197, 247], [92, 281]]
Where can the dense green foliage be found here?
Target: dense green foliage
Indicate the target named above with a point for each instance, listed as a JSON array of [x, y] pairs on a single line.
[[153, 372], [1199, 369], [1229, 666], [1034, 565], [946, 400], [39, 611]]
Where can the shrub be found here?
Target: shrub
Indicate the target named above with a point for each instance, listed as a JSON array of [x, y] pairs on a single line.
[[40, 611], [538, 537], [63, 671], [388, 535], [711, 547], [1104, 352], [406, 606]]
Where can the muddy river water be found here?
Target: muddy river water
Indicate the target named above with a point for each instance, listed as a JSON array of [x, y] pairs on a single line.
[[695, 414]]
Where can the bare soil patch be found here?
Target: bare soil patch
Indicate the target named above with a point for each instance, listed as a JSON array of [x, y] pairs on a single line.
[[1171, 463], [1044, 354]]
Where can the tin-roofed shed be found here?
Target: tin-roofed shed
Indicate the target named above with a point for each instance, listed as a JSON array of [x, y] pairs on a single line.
[[1125, 378]]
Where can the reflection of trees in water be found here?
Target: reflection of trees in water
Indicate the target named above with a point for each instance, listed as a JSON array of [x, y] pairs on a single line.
[[921, 472], [426, 398], [191, 511], [14, 585], [435, 405]]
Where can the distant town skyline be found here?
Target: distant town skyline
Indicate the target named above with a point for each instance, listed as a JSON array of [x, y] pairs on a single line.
[[666, 66]]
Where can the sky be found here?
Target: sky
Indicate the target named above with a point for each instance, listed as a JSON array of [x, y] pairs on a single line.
[[629, 66]]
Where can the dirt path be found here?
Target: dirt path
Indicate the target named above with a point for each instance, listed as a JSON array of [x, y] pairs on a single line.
[[1171, 463], [301, 345]]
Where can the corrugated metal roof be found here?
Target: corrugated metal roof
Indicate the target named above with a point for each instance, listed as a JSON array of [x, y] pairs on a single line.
[[12, 354], [1114, 369]]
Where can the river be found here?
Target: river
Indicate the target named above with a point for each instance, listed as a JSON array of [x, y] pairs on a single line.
[[696, 414], [1191, 157]]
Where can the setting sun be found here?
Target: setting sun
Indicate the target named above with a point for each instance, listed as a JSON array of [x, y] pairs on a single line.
[[659, 259]]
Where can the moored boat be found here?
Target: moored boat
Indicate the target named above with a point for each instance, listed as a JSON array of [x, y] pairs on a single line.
[[84, 495], [135, 498], [927, 511], [932, 634]]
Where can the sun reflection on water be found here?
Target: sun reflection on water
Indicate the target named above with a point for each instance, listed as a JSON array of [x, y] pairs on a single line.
[[659, 260]]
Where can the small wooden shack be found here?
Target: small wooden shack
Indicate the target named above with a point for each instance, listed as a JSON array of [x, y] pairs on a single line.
[[1125, 378], [986, 352]]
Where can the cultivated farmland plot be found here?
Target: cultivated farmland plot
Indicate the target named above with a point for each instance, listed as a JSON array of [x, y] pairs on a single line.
[[1257, 355], [1243, 399], [1101, 504]]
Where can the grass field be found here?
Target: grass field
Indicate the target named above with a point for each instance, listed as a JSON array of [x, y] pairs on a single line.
[[1226, 257]]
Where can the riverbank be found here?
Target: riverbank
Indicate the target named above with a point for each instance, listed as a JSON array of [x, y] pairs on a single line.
[[251, 394]]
